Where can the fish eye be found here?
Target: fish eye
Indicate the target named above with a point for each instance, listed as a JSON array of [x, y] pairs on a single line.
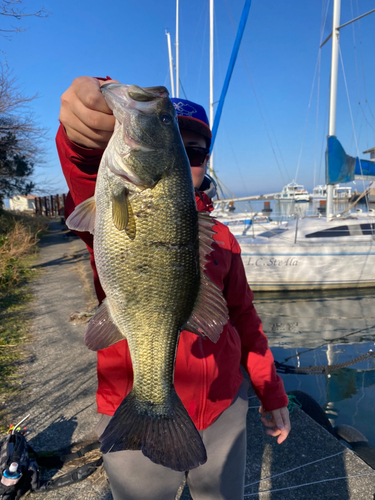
[[166, 119]]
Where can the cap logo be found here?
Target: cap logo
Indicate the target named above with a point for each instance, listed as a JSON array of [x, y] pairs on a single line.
[[184, 109]]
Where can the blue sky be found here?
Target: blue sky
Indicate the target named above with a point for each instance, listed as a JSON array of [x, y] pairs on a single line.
[[258, 147]]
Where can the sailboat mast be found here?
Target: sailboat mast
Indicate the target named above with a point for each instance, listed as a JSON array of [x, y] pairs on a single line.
[[333, 89], [211, 107], [170, 61]]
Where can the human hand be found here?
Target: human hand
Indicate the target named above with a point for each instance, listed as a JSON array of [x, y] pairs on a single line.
[[87, 119], [278, 422]]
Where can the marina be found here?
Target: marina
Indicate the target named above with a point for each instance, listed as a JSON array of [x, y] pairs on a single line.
[[282, 212]]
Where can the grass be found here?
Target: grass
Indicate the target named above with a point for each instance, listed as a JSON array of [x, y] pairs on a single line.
[[18, 249]]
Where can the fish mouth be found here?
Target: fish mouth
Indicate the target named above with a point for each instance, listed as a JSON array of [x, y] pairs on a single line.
[[136, 97], [147, 94], [126, 101], [140, 94]]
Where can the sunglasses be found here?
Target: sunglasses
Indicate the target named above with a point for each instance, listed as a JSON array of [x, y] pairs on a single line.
[[196, 155]]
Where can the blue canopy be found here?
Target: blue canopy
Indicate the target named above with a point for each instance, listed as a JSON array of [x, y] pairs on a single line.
[[341, 167]]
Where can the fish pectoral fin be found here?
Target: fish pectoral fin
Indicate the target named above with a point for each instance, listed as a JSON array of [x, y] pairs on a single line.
[[102, 331], [210, 313], [122, 213], [83, 216]]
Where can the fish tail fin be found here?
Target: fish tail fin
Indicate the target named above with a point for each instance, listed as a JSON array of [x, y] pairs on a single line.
[[165, 433]]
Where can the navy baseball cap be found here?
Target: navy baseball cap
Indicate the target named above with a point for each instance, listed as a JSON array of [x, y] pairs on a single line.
[[192, 116]]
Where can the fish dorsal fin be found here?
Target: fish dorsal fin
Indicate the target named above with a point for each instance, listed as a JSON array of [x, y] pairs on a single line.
[[206, 232], [210, 313], [102, 331], [83, 216], [122, 213]]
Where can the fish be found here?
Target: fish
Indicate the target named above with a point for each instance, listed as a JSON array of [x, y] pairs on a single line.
[[151, 246]]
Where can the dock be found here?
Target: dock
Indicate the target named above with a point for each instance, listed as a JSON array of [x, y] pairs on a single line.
[[310, 464], [59, 384]]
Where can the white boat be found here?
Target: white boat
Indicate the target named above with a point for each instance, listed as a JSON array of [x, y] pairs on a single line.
[[340, 193], [312, 253], [293, 192], [319, 252]]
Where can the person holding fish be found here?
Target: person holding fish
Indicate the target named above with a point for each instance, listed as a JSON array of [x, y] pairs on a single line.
[[176, 318]]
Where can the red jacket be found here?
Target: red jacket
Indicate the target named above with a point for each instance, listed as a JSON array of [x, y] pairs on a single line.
[[207, 375]]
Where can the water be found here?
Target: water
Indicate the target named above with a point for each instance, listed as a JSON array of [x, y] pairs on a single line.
[[324, 328]]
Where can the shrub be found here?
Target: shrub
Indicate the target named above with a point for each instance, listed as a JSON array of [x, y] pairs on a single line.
[[18, 239]]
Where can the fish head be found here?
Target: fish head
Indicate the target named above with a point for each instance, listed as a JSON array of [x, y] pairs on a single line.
[[146, 140]]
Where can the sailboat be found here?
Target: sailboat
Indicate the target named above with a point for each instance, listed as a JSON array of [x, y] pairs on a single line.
[[336, 251]]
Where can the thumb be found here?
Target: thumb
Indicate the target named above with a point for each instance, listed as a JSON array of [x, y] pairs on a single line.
[[278, 419]]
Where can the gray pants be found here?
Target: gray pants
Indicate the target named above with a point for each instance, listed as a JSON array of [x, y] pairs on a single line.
[[133, 476]]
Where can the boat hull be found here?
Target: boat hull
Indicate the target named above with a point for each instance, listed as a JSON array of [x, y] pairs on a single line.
[[309, 266]]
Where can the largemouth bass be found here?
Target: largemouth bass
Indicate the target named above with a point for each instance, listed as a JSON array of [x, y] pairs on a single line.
[[150, 247]]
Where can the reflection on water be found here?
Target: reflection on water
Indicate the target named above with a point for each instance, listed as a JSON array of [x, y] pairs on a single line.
[[325, 328]]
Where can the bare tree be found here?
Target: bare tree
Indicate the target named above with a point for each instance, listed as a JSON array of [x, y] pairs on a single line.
[[11, 96], [14, 9], [21, 138]]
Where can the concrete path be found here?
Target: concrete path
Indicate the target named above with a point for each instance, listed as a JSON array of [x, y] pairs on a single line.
[[59, 375], [59, 392]]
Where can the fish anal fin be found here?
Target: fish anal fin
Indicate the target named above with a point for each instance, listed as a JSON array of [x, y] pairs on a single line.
[[122, 213], [83, 216], [101, 331], [164, 433]]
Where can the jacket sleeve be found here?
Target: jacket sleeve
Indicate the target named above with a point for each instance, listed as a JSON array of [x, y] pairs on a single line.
[[79, 165], [80, 168], [256, 356]]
